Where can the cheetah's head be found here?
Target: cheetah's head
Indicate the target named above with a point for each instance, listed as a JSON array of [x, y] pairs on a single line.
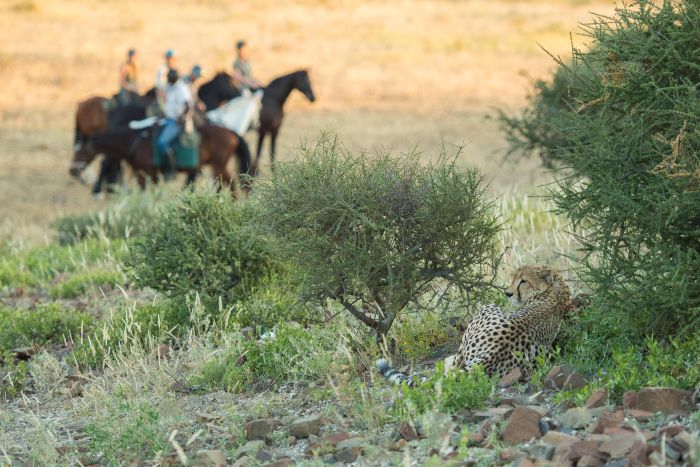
[[532, 279]]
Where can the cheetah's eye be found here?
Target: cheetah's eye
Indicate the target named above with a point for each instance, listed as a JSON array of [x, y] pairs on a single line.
[[522, 281]]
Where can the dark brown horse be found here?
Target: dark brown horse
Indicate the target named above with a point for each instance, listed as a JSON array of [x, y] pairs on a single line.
[[272, 111], [216, 147]]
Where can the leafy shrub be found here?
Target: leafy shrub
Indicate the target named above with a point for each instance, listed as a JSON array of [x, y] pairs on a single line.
[[46, 324], [628, 150], [447, 393], [292, 353], [138, 435], [202, 242], [376, 234], [129, 216]]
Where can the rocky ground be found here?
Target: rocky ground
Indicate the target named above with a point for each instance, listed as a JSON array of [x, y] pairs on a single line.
[[525, 428]]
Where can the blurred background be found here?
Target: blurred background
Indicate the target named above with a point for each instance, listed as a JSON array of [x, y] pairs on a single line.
[[388, 75]]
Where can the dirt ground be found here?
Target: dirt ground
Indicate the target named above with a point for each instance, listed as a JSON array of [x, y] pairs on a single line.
[[392, 75]]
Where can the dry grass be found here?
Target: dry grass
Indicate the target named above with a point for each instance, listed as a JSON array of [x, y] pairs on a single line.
[[388, 75]]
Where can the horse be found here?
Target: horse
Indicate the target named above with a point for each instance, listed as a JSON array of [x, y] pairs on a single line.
[[218, 90], [271, 114], [97, 114], [216, 146]]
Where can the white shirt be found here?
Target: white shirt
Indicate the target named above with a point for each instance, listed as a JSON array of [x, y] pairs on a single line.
[[162, 78], [177, 98]]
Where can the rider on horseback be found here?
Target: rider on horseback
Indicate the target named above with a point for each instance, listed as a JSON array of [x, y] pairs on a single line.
[[178, 100], [128, 75], [242, 69]]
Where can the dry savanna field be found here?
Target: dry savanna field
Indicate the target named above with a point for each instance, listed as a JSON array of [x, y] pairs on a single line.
[[389, 75]]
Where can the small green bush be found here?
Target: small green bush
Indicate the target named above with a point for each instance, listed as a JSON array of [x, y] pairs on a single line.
[[131, 433], [627, 149], [128, 217], [447, 393], [50, 323], [292, 353], [376, 234], [203, 243]]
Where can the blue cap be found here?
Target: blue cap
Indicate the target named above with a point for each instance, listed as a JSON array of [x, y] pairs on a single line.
[[169, 53], [196, 71], [131, 52]]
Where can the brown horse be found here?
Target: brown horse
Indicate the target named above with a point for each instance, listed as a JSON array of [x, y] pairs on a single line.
[[216, 147]]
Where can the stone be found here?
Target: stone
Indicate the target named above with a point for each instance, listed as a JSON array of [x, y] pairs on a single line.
[[640, 415], [326, 443], [511, 378], [589, 461], [639, 454], [539, 409], [265, 455], [684, 440], [581, 449], [597, 399], [243, 462], [247, 332], [608, 419], [24, 353], [670, 431], [291, 440], [523, 425], [305, 426], [161, 351], [408, 431], [210, 458], [564, 377], [259, 429], [620, 444], [249, 449], [577, 417], [347, 451], [672, 452], [557, 438], [658, 399], [541, 451]]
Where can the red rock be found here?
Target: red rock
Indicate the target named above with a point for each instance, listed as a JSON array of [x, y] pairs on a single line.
[[407, 431], [523, 425], [670, 431], [584, 448], [608, 420], [511, 378], [639, 454], [327, 442], [259, 429], [620, 444], [597, 399], [564, 377], [589, 461], [666, 400], [640, 415], [557, 438]]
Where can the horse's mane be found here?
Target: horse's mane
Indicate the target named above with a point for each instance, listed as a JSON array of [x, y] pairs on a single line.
[[284, 77]]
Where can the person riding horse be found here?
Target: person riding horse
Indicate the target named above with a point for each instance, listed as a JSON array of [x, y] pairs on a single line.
[[242, 69], [128, 77], [178, 100], [161, 84]]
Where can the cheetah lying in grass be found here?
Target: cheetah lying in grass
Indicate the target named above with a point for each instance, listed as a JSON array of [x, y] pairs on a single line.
[[500, 341]]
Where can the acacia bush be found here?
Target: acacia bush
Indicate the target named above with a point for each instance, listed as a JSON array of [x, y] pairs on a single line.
[[374, 234], [202, 242], [626, 147]]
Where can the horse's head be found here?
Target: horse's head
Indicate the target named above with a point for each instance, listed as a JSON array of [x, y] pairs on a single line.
[[303, 84], [84, 153], [225, 86]]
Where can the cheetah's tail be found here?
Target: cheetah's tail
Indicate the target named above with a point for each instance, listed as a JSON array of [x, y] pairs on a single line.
[[392, 374]]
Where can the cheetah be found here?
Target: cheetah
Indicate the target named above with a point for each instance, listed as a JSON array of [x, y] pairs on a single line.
[[500, 341]]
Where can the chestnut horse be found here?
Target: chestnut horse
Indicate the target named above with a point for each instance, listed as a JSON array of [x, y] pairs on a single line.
[[216, 147]]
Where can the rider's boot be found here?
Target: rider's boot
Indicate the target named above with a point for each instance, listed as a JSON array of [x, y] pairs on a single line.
[[169, 165]]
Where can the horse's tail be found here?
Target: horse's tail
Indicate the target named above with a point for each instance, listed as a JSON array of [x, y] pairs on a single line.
[[394, 375]]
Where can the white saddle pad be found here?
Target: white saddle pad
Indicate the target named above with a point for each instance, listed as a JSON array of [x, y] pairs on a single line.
[[238, 115]]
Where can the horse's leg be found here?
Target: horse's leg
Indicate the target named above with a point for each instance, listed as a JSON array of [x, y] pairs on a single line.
[[273, 146], [261, 139], [102, 175], [191, 177]]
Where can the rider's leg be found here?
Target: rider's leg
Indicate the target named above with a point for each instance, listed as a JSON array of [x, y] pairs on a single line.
[[171, 130]]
